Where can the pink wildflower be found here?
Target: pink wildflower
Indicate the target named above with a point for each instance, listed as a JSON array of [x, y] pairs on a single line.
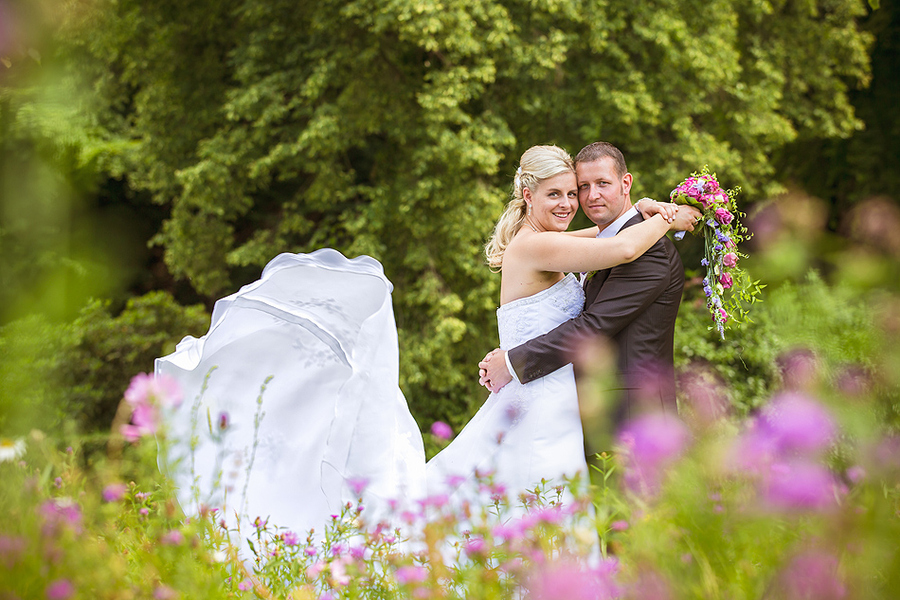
[[164, 592], [799, 485], [357, 484], [146, 388], [60, 589], [114, 492], [245, 585], [58, 514], [475, 546], [339, 574], [315, 569], [11, 550], [172, 538], [726, 280], [411, 574], [562, 580], [441, 430], [797, 424], [813, 574], [651, 442]]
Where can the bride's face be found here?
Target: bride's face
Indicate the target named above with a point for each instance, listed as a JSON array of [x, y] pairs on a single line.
[[553, 203]]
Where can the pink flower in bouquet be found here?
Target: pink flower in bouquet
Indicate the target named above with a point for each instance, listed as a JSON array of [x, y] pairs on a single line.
[[729, 260], [723, 216], [726, 280], [723, 316]]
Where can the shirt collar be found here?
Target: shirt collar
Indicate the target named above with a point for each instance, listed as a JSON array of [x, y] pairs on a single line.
[[613, 228]]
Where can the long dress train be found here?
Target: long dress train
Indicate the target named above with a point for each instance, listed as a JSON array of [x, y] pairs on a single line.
[[292, 398]]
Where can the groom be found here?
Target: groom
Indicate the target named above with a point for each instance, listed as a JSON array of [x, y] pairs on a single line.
[[633, 304]]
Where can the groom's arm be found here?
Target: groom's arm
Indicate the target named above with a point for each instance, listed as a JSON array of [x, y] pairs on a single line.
[[626, 293]]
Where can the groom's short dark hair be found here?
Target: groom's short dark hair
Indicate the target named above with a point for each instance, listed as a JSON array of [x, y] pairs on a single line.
[[599, 150]]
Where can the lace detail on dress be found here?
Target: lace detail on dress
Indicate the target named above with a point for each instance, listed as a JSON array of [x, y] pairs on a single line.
[[523, 319]]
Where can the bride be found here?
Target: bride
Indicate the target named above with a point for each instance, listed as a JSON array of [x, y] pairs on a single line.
[[293, 400]]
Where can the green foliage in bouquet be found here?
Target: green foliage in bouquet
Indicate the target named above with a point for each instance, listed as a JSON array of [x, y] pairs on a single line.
[[728, 288]]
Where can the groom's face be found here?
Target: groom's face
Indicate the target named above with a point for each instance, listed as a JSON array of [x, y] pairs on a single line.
[[603, 194]]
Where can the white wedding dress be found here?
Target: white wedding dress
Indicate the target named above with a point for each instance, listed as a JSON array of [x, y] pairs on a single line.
[[301, 368]]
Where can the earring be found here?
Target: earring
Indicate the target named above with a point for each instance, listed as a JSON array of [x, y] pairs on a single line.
[[529, 209]]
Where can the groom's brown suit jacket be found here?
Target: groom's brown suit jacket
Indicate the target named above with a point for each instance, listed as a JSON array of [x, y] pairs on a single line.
[[633, 304]]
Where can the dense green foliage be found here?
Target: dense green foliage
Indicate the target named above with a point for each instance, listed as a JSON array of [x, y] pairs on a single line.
[[228, 133], [847, 171], [391, 129]]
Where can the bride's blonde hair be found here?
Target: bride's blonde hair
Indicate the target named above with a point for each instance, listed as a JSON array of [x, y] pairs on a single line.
[[537, 164]]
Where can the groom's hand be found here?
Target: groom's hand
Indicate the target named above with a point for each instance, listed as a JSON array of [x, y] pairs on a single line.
[[493, 372]]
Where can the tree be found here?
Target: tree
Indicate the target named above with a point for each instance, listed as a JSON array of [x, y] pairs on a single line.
[[393, 128]]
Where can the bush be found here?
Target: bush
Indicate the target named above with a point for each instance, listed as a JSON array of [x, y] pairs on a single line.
[[74, 373], [835, 324]]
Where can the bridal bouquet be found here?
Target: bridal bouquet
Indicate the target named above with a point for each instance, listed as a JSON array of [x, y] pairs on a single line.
[[727, 287]]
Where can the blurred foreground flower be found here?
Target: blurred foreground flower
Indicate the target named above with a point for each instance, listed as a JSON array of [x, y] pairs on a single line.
[[61, 589], [564, 580], [813, 575], [781, 449], [651, 443], [441, 430], [114, 492], [11, 449], [60, 514], [146, 395]]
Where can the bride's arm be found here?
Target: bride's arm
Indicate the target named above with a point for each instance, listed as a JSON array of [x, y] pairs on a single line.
[[588, 232], [550, 251]]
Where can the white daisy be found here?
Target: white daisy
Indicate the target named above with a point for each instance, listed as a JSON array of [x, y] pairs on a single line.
[[11, 449]]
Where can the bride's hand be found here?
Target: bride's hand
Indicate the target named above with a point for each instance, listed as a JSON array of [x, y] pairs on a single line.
[[685, 219], [649, 207]]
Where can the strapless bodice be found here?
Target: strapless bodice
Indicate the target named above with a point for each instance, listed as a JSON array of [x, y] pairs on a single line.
[[526, 318]]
